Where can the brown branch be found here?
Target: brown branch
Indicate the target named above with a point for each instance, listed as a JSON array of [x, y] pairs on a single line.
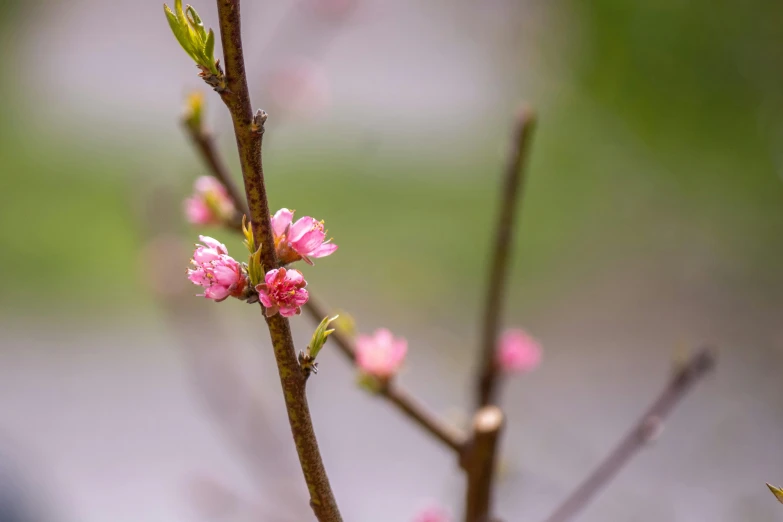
[[510, 195], [249, 130], [480, 463], [648, 427], [404, 401], [394, 393]]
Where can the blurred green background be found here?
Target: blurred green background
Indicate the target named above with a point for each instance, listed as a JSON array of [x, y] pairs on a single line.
[[658, 142], [652, 219]]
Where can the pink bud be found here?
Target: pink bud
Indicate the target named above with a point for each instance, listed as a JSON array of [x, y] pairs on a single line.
[[518, 352], [209, 204], [380, 355], [305, 239], [216, 271], [433, 514], [283, 290]]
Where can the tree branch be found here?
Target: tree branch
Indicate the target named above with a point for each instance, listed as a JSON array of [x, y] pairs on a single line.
[[204, 143], [398, 396], [480, 463], [510, 194], [249, 131], [404, 401], [648, 427]]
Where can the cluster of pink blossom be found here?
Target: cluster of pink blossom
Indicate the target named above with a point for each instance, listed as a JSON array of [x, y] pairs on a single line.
[[282, 290]]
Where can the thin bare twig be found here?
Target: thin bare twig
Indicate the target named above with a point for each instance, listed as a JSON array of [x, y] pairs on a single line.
[[404, 401], [249, 131], [648, 427], [480, 463], [511, 193], [204, 143]]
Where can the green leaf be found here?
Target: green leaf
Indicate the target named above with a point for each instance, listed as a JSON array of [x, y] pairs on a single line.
[[196, 23], [209, 51], [778, 492], [319, 337], [191, 34], [179, 27]]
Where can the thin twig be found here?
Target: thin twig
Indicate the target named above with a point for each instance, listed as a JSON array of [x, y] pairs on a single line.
[[480, 463], [249, 131], [204, 143], [403, 400], [647, 429], [511, 193]]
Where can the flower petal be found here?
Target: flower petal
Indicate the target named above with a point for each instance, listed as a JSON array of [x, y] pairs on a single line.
[[281, 220], [323, 250], [301, 227]]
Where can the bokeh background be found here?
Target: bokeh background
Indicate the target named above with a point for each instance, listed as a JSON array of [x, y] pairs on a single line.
[[652, 222]]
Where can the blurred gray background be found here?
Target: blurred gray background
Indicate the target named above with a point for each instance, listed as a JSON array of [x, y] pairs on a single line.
[[652, 222]]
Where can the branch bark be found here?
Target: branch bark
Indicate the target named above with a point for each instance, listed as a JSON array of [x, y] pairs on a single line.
[[480, 462], [511, 193], [645, 430], [249, 131]]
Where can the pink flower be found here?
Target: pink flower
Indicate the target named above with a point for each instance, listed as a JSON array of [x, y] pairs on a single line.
[[518, 352], [283, 290], [433, 514], [219, 274], [209, 204], [300, 87], [381, 354], [301, 240]]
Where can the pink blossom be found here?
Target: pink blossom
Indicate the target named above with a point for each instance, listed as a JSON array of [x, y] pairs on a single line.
[[209, 204], [381, 354], [518, 352], [283, 290], [304, 239], [301, 87], [433, 514], [219, 274]]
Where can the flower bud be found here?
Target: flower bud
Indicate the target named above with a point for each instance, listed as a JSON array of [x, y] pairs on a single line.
[[380, 355], [517, 352]]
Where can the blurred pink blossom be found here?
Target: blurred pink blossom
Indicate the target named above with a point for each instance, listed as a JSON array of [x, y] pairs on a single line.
[[304, 239], [381, 354], [433, 514], [300, 87], [518, 352], [209, 204], [216, 271], [283, 290]]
